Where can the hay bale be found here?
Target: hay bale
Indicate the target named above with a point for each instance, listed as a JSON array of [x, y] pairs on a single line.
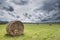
[[15, 28]]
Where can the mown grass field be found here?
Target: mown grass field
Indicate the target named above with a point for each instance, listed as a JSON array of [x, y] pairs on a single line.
[[34, 32]]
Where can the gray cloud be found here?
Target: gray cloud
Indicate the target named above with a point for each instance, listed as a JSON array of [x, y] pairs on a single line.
[[51, 8], [37, 10], [20, 2], [9, 8], [5, 6], [50, 5]]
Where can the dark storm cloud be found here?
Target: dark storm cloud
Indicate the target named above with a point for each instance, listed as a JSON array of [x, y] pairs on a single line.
[[52, 8], [40, 10], [5, 6], [9, 8], [20, 2], [50, 5]]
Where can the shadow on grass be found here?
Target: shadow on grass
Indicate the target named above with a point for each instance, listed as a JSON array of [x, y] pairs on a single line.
[[8, 35]]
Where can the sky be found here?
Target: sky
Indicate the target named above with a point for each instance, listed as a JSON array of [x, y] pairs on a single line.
[[35, 11]]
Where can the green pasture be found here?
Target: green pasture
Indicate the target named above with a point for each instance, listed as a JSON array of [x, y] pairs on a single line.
[[34, 32]]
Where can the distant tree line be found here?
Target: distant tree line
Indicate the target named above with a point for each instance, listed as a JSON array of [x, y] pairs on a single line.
[[3, 22]]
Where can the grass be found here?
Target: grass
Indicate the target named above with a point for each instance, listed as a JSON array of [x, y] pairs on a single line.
[[34, 32]]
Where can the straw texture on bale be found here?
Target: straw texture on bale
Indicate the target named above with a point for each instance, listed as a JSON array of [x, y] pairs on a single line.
[[15, 28]]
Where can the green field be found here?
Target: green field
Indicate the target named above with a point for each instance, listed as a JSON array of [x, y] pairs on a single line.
[[34, 32]]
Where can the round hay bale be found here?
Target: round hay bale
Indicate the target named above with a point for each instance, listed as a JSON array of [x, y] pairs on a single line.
[[15, 28]]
